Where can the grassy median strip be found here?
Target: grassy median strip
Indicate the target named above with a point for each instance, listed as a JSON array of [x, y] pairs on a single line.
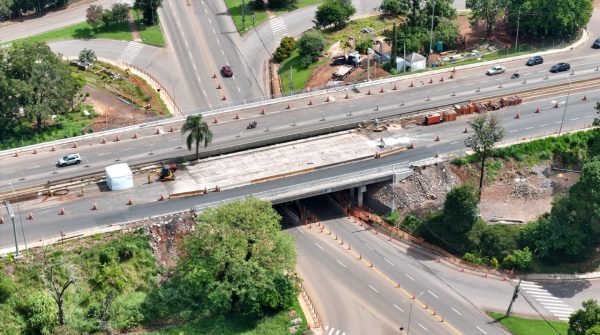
[[260, 15], [117, 31], [522, 326], [150, 34]]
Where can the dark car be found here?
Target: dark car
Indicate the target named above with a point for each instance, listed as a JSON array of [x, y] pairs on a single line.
[[535, 60], [226, 71], [596, 44], [560, 67], [339, 61]]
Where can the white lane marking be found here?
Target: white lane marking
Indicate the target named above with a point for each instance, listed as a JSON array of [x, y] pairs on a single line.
[[589, 116], [104, 153], [513, 131], [422, 326], [171, 140], [340, 263], [455, 142], [204, 92], [575, 119], [33, 167], [239, 89], [553, 299], [320, 247], [543, 125], [218, 41], [411, 278], [481, 330], [300, 230], [209, 20], [194, 65], [433, 294], [528, 128], [331, 331], [374, 289], [368, 246], [392, 264], [126, 149], [557, 122], [455, 311], [552, 304], [337, 332], [398, 308], [190, 53], [186, 44], [222, 52]]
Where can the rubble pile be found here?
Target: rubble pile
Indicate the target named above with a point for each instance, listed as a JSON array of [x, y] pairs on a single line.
[[166, 233], [525, 189], [427, 187]]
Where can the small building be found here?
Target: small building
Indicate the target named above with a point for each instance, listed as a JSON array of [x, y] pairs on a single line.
[[416, 62], [118, 177]]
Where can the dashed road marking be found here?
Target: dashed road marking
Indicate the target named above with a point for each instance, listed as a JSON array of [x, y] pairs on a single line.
[[455, 311], [575, 119], [340, 263], [543, 125], [481, 330], [398, 308], [320, 247], [420, 325], [374, 289], [433, 294], [409, 277], [528, 128], [368, 246], [392, 264], [300, 230]]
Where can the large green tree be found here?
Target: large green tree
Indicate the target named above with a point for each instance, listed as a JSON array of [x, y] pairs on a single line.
[[487, 131], [94, 15], [311, 45], [334, 13], [486, 11], [197, 131], [237, 260], [585, 321], [149, 10], [394, 7], [440, 9], [460, 209], [557, 19]]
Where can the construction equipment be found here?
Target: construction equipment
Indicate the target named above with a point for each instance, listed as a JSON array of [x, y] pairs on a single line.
[[166, 173]]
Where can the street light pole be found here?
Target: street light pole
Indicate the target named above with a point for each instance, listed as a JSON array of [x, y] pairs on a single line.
[[431, 33], [410, 312], [517, 37], [565, 108], [12, 218]]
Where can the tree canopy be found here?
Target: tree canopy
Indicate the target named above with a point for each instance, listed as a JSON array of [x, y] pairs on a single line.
[[237, 260], [149, 10], [486, 11], [585, 321], [460, 209], [334, 13], [311, 45], [549, 18]]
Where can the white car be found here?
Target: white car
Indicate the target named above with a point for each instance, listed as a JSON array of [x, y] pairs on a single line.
[[69, 159], [496, 69]]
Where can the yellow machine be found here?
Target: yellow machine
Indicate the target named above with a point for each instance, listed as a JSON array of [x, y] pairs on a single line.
[[167, 173]]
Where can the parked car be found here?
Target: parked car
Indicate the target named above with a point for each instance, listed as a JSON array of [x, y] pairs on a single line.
[[226, 71], [535, 60], [496, 69], [596, 44], [560, 67], [339, 61], [69, 159]]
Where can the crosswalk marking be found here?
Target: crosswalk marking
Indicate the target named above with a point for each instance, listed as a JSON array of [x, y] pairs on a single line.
[[131, 52], [278, 27], [332, 331], [551, 303]]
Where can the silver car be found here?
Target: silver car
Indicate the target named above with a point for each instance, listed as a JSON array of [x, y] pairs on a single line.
[[69, 159], [496, 69]]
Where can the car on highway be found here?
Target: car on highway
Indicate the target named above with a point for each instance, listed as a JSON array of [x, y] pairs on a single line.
[[560, 67], [496, 69], [226, 71], [596, 44], [69, 159], [535, 60]]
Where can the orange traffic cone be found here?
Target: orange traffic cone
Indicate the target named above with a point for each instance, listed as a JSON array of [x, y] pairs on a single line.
[[369, 92], [346, 97], [310, 102], [171, 129], [411, 84], [431, 80], [556, 104], [466, 130], [16, 154], [537, 110], [288, 107], [437, 139], [157, 131], [437, 155], [237, 116], [1, 220], [584, 98], [103, 140], [219, 87], [53, 148], [214, 75], [118, 138], [130, 202], [517, 116], [74, 145], [135, 135], [215, 121], [328, 99], [94, 207], [162, 198], [412, 145], [381, 90], [62, 211], [205, 190], [262, 111], [30, 216], [223, 98], [34, 151], [395, 88], [441, 79]]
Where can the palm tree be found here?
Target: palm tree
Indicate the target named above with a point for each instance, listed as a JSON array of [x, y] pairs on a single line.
[[87, 55], [198, 132]]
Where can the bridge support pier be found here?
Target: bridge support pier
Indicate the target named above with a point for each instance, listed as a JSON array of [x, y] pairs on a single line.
[[361, 190]]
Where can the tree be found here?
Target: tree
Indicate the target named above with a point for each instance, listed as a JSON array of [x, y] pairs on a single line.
[[539, 18], [199, 132], [57, 279], [286, 47], [6, 8], [87, 55], [94, 15], [107, 17], [441, 9], [334, 13], [120, 12], [149, 10], [583, 321], [311, 45], [394, 7], [597, 118], [280, 3], [237, 261], [460, 209], [446, 31], [487, 11], [521, 259], [487, 131], [394, 51]]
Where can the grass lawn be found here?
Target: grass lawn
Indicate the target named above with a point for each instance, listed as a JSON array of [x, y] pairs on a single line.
[[150, 34], [353, 28], [521, 326], [118, 31], [300, 75], [235, 10], [270, 325]]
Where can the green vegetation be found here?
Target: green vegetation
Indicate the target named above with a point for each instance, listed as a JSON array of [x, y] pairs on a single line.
[[150, 34], [334, 14], [149, 9], [301, 74], [199, 133], [259, 12], [586, 321], [522, 326], [83, 30]]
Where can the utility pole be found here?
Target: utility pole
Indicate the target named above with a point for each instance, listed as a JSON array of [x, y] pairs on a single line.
[[12, 218], [368, 65], [291, 80], [564, 109], [243, 15], [517, 37], [514, 297]]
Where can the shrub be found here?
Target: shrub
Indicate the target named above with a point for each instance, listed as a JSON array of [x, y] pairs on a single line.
[[392, 218], [286, 47], [459, 161], [311, 44], [41, 313], [472, 258], [412, 223], [7, 288], [508, 262], [494, 262], [126, 310], [363, 43]]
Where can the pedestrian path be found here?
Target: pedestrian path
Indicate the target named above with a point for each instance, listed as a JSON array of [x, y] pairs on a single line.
[[333, 331], [130, 52], [553, 304], [278, 27]]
